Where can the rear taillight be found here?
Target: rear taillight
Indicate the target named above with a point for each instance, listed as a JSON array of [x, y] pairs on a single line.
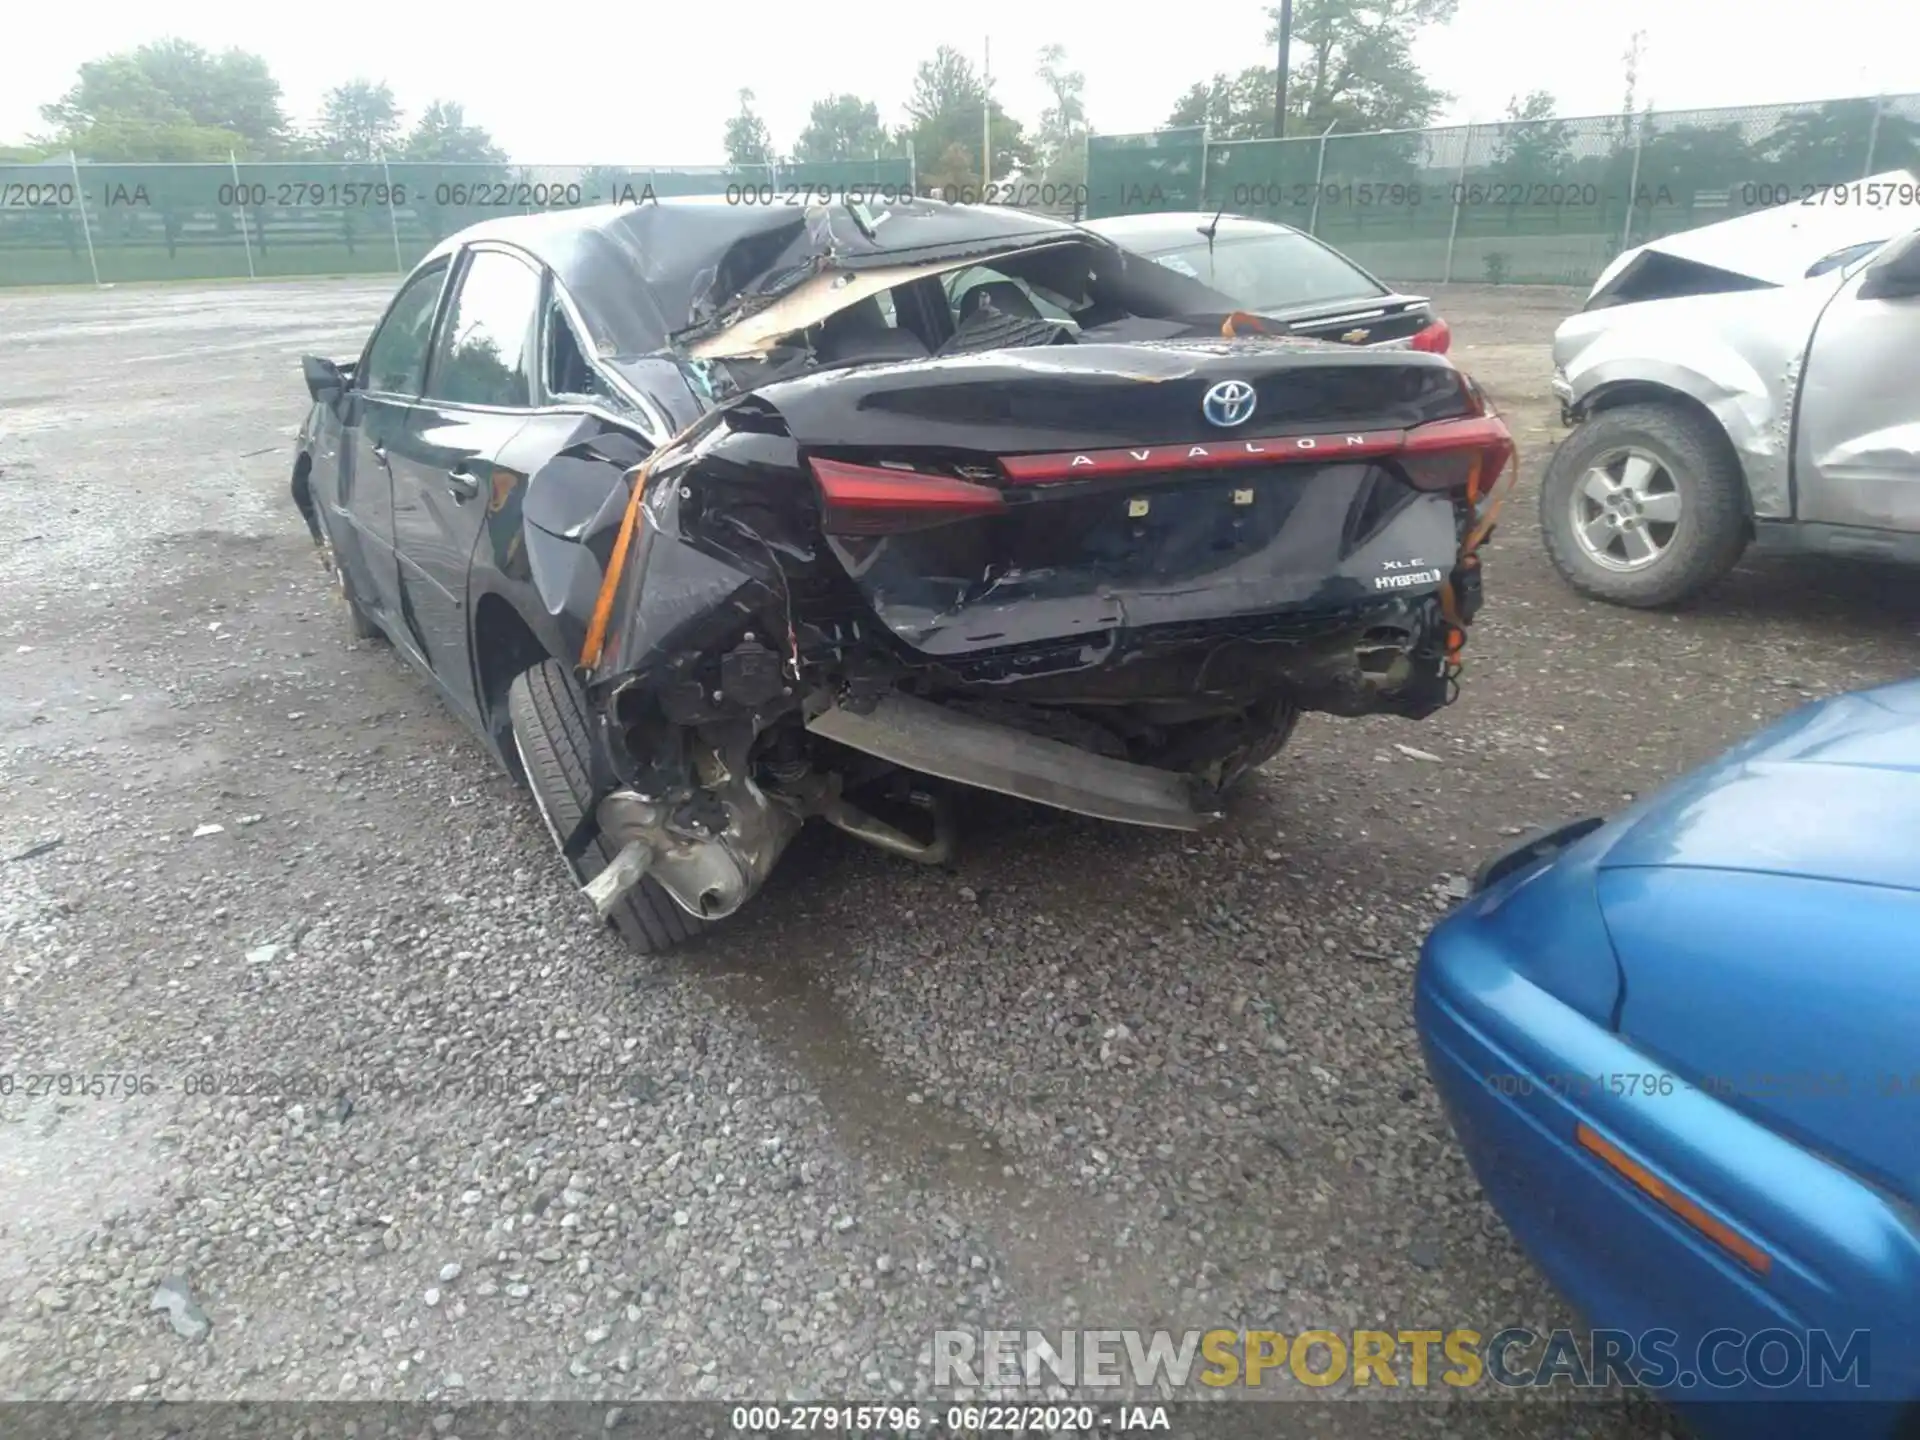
[[1466, 454], [1436, 339], [880, 500]]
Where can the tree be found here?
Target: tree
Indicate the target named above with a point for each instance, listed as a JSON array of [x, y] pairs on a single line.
[[170, 100], [1533, 144], [1235, 107], [944, 116], [1829, 144], [747, 139], [132, 140], [841, 127], [442, 133], [1350, 65], [359, 121], [1677, 164], [1061, 145]]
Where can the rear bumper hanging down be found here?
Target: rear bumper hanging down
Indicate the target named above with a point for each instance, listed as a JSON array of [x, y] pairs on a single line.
[[933, 740]]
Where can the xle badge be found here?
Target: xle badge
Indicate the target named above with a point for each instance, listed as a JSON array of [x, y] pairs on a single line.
[[1137, 508]]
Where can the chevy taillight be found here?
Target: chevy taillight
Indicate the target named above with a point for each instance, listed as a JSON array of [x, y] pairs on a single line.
[[1436, 339], [881, 500]]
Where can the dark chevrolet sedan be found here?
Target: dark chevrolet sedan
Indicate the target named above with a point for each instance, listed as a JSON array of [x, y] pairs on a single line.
[[1281, 273]]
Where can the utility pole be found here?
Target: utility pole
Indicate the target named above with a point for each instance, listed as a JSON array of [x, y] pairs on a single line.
[[986, 117], [1280, 90], [1636, 51]]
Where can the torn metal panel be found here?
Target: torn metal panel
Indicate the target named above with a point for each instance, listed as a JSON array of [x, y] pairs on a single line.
[[812, 301], [642, 273]]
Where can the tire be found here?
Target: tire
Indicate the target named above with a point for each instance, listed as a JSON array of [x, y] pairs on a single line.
[[1278, 729], [1271, 725], [553, 738], [1617, 479]]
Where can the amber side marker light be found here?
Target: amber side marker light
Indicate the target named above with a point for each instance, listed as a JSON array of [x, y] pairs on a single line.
[[1684, 1206]]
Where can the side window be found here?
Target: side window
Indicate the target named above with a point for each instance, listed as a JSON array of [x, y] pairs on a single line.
[[485, 346], [567, 371], [397, 358]]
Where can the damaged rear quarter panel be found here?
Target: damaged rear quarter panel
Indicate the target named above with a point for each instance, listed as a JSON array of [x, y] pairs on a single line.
[[1738, 354], [558, 498], [702, 561]]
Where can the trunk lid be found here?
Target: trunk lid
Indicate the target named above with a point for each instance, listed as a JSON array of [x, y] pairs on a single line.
[[1389, 320], [1060, 397], [1074, 492]]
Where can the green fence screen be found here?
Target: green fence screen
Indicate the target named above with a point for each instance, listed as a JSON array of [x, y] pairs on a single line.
[[1160, 170], [1538, 202], [1541, 202], [73, 223]]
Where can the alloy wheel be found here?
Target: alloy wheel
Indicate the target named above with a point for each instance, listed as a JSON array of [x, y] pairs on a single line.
[[1625, 510]]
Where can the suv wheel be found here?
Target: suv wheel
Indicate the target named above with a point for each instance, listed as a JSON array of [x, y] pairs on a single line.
[[1644, 505]]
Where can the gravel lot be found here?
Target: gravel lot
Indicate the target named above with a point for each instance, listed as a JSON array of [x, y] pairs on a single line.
[[1090, 1076]]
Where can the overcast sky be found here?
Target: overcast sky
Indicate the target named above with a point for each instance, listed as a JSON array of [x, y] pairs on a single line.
[[639, 83]]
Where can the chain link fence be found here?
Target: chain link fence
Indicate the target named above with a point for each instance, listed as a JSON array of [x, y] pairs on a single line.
[[1535, 202], [1543, 202], [66, 222]]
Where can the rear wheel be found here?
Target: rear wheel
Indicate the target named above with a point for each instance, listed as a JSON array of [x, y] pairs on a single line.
[[554, 740], [1273, 727], [1227, 757], [1644, 506]]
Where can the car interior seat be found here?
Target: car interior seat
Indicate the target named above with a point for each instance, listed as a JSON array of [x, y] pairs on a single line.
[[861, 332]]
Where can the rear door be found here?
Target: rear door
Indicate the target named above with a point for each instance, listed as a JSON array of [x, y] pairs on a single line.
[[386, 383], [478, 395], [1857, 431]]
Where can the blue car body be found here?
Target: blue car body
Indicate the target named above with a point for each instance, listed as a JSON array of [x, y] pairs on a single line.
[[1722, 986]]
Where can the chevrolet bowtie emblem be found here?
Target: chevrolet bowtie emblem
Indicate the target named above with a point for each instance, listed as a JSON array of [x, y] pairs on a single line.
[[1354, 337]]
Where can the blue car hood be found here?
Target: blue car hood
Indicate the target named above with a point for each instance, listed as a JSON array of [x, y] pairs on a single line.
[[1830, 792], [1762, 912]]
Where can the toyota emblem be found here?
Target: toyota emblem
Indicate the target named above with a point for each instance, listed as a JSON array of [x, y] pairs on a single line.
[[1228, 404]]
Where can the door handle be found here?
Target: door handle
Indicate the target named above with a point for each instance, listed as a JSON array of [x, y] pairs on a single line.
[[462, 484]]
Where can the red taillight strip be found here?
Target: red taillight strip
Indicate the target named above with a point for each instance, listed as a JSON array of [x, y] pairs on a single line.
[[1145, 459], [1473, 432], [875, 487], [1435, 339]]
